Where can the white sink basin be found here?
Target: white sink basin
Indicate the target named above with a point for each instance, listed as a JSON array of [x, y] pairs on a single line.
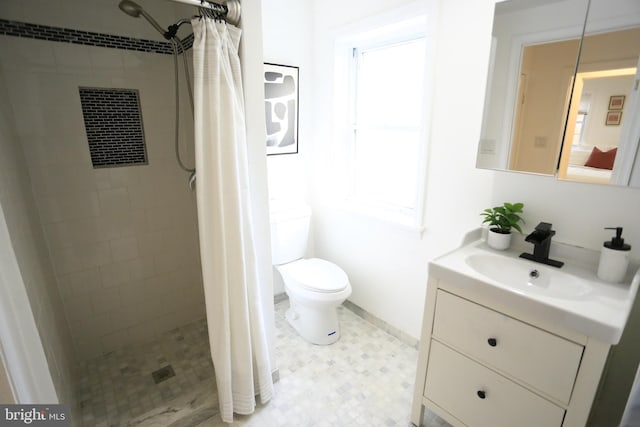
[[571, 296], [525, 277]]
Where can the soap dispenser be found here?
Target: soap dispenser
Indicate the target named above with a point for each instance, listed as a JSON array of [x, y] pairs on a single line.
[[614, 258]]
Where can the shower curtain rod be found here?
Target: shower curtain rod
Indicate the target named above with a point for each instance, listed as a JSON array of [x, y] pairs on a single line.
[[230, 8], [211, 5]]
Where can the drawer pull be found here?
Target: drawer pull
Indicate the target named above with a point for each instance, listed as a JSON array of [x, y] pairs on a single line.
[[482, 394], [492, 342]]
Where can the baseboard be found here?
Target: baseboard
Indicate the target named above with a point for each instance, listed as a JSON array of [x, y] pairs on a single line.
[[376, 321]]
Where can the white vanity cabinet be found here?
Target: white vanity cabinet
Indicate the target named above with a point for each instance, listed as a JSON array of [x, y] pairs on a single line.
[[484, 363]]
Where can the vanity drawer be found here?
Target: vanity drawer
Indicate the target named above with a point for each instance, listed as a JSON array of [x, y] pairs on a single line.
[[480, 397], [540, 359]]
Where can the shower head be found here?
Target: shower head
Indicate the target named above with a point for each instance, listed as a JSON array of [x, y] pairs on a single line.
[[134, 9], [130, 8]]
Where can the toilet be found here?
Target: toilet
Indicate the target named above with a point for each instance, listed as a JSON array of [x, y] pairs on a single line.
[[315, 287]]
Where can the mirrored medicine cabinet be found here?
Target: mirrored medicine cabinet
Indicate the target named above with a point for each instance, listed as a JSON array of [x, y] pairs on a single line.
[[562, 93]]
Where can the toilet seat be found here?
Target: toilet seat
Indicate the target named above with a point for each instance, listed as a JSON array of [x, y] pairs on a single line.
[[316, 275]]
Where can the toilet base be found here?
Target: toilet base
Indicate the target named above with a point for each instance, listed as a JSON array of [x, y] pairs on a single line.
[[317, 325]]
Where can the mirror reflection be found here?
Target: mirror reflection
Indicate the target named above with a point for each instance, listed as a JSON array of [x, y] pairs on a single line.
[[546, 73], [601, 113], [543, 114]]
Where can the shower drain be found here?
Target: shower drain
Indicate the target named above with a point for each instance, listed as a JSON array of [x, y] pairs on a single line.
[[163, 374]]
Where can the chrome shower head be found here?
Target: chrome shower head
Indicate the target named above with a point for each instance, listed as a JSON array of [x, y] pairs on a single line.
[[134, 9], [130, 8]]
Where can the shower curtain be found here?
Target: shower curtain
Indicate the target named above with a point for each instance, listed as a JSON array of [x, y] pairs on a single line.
[[235, 317]]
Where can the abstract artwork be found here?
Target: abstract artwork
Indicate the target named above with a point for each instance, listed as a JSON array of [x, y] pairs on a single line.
[[281, 108]]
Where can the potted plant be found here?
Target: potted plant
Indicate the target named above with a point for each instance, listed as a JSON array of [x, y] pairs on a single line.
[[501, 220]]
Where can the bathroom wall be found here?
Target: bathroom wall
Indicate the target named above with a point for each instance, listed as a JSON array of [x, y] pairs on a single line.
[[123, 241], [286, 40], [387, 263], [35, 275], [287, 33]]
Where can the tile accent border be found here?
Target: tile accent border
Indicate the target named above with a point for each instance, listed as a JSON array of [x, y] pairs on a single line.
[[88, 38]]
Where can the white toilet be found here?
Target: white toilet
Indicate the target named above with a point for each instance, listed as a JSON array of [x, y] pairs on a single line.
[[315, 287]]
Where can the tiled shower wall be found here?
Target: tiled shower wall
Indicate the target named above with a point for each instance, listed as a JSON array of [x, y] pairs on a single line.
[[20, 213], [123, 241]]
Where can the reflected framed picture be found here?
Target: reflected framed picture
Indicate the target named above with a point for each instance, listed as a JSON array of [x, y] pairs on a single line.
[[281, 108], [613, 118], [616, 102]]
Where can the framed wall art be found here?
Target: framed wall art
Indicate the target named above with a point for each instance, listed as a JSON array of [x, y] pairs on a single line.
[[281, 108], [613, 118], [616, 102]]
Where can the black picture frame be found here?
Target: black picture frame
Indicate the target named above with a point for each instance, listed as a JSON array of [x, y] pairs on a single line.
[[613, 118]]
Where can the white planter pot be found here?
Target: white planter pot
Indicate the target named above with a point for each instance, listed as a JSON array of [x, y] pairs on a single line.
[[498, 241]]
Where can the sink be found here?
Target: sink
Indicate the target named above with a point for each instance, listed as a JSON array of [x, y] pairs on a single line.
[[571, 297], [528, 277]]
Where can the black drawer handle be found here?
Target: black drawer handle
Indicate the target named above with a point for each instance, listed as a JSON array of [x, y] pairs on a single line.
[[482, 394], [492, 342]]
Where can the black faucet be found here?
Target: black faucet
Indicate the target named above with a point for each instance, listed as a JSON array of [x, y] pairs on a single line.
[[541, 239]]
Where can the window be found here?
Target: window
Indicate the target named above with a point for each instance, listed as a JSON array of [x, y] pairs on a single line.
[[581, 120], [578, 133], [385, 141]]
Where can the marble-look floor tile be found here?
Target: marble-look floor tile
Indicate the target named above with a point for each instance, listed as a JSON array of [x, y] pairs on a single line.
[[119, 386], [364, 379]]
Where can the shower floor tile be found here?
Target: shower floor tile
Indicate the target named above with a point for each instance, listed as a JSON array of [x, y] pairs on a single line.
[[366, 378], [119, 386]]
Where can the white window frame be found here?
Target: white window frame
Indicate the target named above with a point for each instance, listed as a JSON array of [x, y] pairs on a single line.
[[380, 33]]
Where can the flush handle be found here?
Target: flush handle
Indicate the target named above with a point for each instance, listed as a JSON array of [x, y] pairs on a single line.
[[492, 342], [481, 394]]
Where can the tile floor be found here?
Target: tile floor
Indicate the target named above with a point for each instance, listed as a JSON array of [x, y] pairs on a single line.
[[119, 385], [365, 379]]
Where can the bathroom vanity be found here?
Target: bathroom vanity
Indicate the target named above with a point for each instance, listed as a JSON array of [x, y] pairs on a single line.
[[510, 342]]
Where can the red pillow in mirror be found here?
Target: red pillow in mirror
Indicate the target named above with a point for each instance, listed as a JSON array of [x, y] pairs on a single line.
[[601, 159]]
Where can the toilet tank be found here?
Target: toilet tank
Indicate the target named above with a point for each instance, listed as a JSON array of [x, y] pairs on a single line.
[[289, 230]]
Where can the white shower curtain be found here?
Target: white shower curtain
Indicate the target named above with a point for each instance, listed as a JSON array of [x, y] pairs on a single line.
[[235, 317]]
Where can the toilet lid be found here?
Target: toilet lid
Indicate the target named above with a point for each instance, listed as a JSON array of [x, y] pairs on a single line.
[[317, 275]]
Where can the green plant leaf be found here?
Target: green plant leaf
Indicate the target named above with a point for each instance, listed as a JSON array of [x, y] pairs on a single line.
[[504, 217]]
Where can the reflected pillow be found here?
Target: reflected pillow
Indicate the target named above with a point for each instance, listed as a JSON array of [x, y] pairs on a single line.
[[601, 159]]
